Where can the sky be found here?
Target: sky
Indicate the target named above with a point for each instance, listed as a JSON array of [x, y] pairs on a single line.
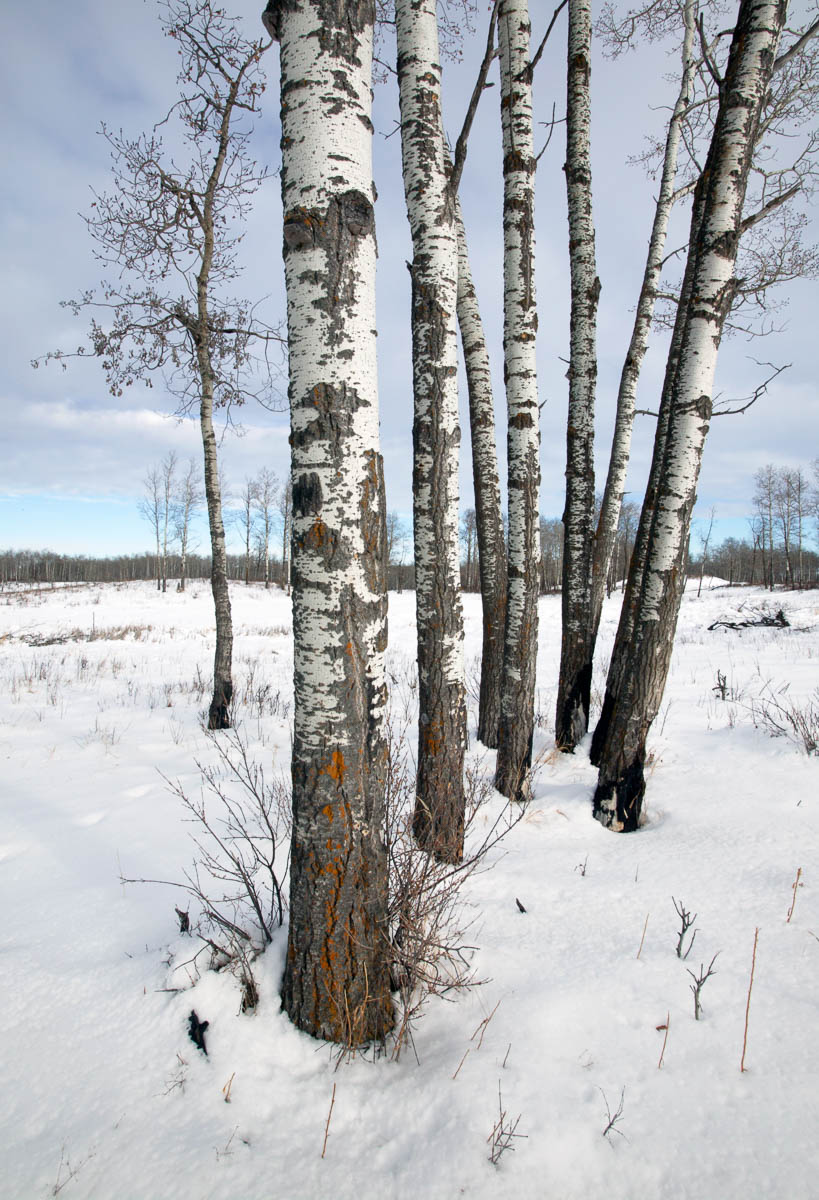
[[73, 458]]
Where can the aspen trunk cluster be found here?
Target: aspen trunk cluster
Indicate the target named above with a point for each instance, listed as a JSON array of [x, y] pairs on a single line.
[[716, 228]]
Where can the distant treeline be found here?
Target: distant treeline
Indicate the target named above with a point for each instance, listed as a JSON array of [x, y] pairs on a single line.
[[737, 561]]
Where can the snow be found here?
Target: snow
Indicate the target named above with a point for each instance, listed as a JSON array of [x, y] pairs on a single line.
[[104, 1094]]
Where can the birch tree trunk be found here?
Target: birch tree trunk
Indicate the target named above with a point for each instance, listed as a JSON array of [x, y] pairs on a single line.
[[712, 255], [438, 821], [336, 982], [488, 518], [219, 711], [626, 396], [574, 685], [631, 598], [520, 372]]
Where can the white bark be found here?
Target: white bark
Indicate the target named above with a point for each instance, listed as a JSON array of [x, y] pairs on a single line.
[[578, 518], [488, 517], [438, 819], [523, 436], [336, 984]]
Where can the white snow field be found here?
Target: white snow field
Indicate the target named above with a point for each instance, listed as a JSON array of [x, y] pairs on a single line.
[[104, 1095]]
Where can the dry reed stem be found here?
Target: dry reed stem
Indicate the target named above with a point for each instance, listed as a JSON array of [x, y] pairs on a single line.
[[796, 884], [643, 938], [461, 1063], [327, 1126], [482, 1027], [665, 1039], [748, 1002]]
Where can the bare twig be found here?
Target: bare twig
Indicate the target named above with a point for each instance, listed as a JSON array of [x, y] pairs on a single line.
[[461, 1063], [542, 46], [686, 922], [459, 157], [327, 1126], [714, 73], [503, 1132], [482, 1027], [748, 1002], [745, 403], [643, 938], [796, 884], [699, 982], [613, 1118], [666, 1027]]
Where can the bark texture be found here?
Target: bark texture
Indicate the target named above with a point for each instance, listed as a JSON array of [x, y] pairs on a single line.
[[488, 517], [438, 821], [574, 685], [336, 982], [627, 392], [715, 234], [523, 431]]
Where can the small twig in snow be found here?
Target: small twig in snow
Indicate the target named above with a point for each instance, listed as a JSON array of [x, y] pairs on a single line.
[[796, 884], [327, 1126], [748, 1002], [666, 1027], [643, 938], [613, 1118]]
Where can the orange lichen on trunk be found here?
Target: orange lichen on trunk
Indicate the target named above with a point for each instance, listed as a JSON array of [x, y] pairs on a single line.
[[335, 769]]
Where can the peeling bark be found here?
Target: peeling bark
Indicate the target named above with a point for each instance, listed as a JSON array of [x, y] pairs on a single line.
[[523, 433], [715, 234], [438, 821], [574, 685], [336, 981]]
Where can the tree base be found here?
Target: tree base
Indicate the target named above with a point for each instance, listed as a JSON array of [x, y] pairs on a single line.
[[618, 803], [219, 711], [513, 782]]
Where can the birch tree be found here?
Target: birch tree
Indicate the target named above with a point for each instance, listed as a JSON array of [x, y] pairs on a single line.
[[150, 507], [188, 499], [336, 981], [667, 195], [523, 433], [172, 225], [713, 245], [247, 513], [488, 517], [438, 821], [264, 502], [574, 686]]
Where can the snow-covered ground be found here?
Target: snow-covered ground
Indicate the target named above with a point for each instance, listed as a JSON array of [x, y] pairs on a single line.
[[104, 1095]]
